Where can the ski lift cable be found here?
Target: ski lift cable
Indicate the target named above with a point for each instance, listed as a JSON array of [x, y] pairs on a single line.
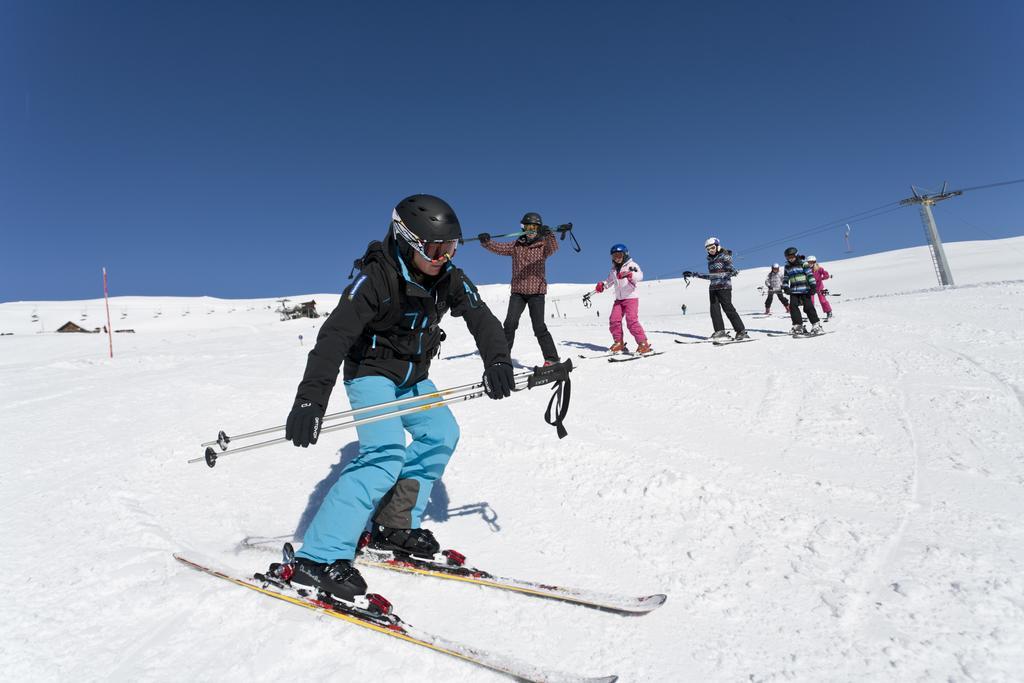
[[822, 227], [854, 218], [983, 187]]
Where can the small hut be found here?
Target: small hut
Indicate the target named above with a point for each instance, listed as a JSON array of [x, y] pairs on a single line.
[[71, 327], [307, 309]]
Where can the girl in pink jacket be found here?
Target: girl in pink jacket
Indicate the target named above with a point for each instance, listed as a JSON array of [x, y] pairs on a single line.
[[820, 275], [624, 277]]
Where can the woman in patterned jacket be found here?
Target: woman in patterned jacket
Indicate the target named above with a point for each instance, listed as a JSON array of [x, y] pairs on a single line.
[[529, 280]]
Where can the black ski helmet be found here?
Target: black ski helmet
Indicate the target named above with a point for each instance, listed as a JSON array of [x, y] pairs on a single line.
[[421, 219], [531, 218], [791, 251], [428, 218]]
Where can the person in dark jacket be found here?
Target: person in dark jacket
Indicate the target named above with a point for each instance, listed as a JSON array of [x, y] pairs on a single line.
[[386, 330], [798, 281], [720, 272], [529, 280]]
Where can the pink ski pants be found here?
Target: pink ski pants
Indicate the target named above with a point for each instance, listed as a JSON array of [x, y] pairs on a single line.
[[628, 308]]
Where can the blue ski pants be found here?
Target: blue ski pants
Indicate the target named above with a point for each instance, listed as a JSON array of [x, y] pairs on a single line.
[[384, 463]]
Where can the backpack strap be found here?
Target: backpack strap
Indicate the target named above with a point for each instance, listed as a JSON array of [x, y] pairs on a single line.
[[391, 315]]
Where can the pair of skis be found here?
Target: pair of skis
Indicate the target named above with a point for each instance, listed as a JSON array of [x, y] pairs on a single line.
[[721, 341], [375, 613], [622, 357], [805, 335], [451, 565]]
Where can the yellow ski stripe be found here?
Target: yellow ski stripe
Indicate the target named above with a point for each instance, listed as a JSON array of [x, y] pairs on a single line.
[[340, 615]]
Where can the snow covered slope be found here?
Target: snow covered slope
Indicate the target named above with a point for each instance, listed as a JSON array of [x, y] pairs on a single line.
[[839, 508]]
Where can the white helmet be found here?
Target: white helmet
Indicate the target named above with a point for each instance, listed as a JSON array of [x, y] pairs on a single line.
[[775, 266], [812, 259], [712, 241]]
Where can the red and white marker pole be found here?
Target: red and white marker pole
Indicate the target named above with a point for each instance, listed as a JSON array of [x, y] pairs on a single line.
[[106, 300]]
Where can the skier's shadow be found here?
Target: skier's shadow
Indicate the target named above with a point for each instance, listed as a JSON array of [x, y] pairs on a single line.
[[438, 506], [679, 334], [585, 345], [462, 355]]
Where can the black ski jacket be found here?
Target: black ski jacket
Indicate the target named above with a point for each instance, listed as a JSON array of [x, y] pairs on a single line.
[[387, 324]]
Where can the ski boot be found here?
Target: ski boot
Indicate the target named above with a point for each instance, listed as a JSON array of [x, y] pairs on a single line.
[[741, 335], [767, 311], [721, 334], [618, 347], [798, 330], [644, 347], [339, 579], [816, 329], [337, 585], [418, 543], [828, 316]]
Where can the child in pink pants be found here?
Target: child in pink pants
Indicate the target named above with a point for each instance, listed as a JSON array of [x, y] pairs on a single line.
[[820, 275], [624, 277]]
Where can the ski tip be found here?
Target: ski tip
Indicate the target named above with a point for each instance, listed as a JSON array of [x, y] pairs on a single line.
[[644, 605], [654, 601]]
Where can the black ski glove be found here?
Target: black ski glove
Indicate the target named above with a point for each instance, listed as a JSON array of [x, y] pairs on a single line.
[[785, 290], [687, 273], [484, 237], [544, 231], [499, 381], [303, 425]]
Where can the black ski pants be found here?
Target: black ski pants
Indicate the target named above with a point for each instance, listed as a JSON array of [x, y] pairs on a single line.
[[805, 301], [768, 301], [516, 304], [721, 299]]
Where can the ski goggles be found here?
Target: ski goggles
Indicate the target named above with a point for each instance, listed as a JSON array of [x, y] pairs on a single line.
[[437, 251]]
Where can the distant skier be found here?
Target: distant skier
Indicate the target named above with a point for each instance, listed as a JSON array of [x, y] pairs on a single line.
[[798, 282], [720, 273], [820, 275], [773, 283], [529, 280], [624, 277], [385, 329]]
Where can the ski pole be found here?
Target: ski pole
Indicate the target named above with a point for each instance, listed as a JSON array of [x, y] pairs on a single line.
[[223, 439], [211, 456], [564, 228], [558, 373], [507, 234]]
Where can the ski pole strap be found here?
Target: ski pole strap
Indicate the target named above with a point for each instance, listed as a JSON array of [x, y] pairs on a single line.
[[558, 406], [566, 229]]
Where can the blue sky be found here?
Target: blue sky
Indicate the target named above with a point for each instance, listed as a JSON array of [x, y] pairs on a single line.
[[244, 149]]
